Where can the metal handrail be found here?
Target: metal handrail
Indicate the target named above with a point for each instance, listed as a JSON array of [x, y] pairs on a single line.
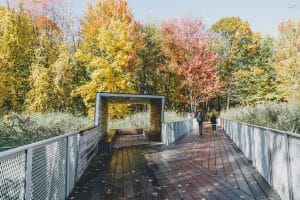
[[24, 156], [274, 153], [266, 128], [7, 153]]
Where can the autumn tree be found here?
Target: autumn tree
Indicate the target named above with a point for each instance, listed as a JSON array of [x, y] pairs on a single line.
[[192, 56], [152, 56], [64, 72], [237, 47], [287, 61], [41, 97], [110, 39], [16, 55], [256, 81]]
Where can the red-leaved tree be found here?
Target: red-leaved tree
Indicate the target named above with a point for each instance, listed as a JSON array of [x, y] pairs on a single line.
[[189, 44]]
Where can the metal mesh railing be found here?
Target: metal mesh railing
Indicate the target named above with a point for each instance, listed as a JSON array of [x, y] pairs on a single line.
[[12, 177], [47, 170], [72, 157], [274, 153], [171, 131]]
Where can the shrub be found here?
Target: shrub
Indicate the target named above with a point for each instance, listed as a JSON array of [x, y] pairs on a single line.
[[20, 129], [141, 120], [281, 116]]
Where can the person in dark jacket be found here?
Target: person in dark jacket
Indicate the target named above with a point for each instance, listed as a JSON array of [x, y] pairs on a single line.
[[213, 121], [200, 120]]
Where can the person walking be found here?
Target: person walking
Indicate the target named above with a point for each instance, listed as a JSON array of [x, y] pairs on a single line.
[[200, 120], [213, 121]]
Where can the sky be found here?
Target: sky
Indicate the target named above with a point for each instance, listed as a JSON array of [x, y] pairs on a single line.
[[263, 15]]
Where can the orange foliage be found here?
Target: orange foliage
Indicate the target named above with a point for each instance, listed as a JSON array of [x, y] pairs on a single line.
[[191, 55], [44, 22]]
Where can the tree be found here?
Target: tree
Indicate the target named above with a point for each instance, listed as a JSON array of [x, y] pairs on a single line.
[[287, 61], [256, 83], [16, 54], [64, 72], [192, 56], [153, 56], [41, 97], [237, 47], [108, 50]]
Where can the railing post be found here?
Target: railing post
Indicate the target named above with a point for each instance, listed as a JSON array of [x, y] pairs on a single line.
[[168, 133], [288, 166], [78, 157], [67, 168], [270, 157], [28, 174], [253, 148]]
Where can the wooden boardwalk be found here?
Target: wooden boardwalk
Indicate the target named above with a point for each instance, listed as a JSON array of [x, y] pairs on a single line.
[[195, 167]]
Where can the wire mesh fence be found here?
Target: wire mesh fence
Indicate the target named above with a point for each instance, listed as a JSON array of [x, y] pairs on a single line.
[[12, 176], [274, 153], [48, 169], [171, 131]]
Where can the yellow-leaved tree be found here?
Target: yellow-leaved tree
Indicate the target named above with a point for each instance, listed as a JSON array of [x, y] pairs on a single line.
[[110, 40], [41, 96], [16, 53], [287, 61]]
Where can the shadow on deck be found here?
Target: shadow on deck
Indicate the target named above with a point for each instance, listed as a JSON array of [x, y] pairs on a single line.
[[208, 167]]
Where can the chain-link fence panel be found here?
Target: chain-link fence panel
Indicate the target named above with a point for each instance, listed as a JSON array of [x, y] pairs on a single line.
[[274, 153], [279, 164], [171, 131], [262, 156], [294, 152], [72, 161], [12, 177], [49, 171], [248, 141]]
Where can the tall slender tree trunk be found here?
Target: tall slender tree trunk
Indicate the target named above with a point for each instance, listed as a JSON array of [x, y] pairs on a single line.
[[228, 97], [228, 102]]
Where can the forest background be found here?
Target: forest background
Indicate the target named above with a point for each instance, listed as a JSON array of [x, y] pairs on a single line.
[[51, 64]]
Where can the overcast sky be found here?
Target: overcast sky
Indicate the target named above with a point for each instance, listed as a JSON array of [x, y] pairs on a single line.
[[263, 15]]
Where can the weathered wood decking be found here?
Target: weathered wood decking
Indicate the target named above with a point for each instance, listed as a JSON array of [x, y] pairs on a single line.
[[195, 167]]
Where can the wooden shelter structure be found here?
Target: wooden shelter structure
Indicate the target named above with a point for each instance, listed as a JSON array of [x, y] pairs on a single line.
[[156, 110]]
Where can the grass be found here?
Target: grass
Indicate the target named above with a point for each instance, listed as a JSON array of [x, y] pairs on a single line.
[[142, 120], [281, 116], [21, 129]]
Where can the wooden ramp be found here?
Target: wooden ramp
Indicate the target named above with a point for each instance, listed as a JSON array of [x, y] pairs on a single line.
[[207, 167]]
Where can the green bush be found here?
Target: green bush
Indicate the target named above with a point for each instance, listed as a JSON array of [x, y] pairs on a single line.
[[281, 116], [141, 120], [20, 129]]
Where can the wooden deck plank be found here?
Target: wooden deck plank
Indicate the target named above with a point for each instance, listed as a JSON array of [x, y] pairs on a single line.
[[229, 174], [215, 179], [162, 180], [138, 189], [240, 179], [206, 188], [192, 168], [254, 187], [111, 177], [118, 192], [145, 180], [212, 156], [127, 184], [219, 163]]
